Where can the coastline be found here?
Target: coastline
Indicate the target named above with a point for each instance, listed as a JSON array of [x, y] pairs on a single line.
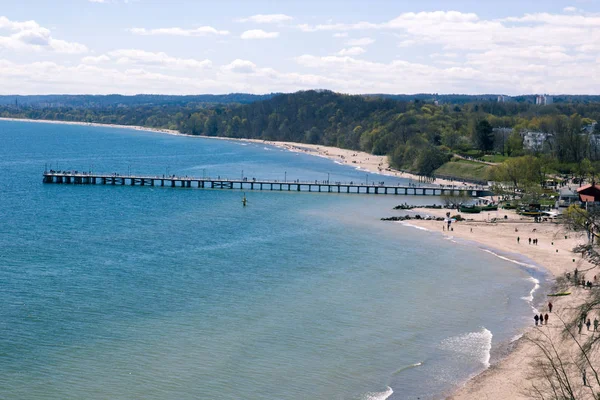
[[510, 376], [357, 159]]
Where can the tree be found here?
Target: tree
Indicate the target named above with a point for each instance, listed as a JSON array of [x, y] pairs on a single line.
[[429, 160], [450, 138], [484, 136], [514, 143]]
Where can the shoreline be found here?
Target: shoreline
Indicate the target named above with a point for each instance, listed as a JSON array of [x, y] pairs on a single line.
[[357, 159], [509, 376]]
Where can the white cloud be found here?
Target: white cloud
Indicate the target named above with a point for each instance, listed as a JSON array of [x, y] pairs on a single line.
[[29, 35], [352, 51], [259, 34], [147, 59], [97, 1], [337, 27], [240, 66], [406, 43], [176, 31], [267, 19], [95, 60], [360, 42], [570, 9], [460, 52]]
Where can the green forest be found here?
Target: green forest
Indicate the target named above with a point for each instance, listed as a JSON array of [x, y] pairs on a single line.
[[420, 136]]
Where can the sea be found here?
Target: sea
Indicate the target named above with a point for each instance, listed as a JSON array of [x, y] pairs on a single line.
[[120, 292]]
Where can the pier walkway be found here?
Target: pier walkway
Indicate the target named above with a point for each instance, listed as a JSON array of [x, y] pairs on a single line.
[[84, 178]]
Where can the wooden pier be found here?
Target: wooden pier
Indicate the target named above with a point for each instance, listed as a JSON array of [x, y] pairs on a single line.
[[82, 178]]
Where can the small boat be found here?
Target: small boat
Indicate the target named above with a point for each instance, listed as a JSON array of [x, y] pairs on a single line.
[[470, 209], [532, 213], [491, 207]]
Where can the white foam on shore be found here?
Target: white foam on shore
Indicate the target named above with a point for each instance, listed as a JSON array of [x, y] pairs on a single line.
[[414, 226], [450, 238], [536, 282], [536, 286], [477, 345], [511, 260], [379, 395], [516, 337]]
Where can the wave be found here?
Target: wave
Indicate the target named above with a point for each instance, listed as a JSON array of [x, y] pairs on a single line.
[[379, 395], [477, 345], [536, 282], [511, 260], [451, 239], [415, 365], [516, 337], [266, 148], [414, 226], [536, 286]]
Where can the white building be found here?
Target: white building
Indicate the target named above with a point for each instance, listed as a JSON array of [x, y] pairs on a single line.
[[589, 129], [535, 141], [543, 100]]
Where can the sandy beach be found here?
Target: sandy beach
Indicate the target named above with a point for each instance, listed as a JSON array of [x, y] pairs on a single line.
[[510, 378]]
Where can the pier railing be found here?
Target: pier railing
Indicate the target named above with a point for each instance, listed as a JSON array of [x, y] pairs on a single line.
[[88, 178]]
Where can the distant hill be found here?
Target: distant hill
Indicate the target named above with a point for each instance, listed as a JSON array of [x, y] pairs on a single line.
[[99, 101], [117, 100], [418, 132]]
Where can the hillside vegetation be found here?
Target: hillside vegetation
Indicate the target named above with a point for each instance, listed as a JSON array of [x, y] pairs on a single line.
[[417, 135]]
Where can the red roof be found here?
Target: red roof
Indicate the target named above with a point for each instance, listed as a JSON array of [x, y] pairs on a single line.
[[586, 198], [588, 186], [589, 193]]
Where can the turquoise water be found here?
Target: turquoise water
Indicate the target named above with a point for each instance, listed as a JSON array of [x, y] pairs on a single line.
[[159, 293]]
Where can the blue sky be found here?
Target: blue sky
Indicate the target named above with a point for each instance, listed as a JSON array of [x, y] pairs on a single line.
[[377, 46]]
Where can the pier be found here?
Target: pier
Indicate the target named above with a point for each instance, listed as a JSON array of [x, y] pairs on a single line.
[[84, 178]]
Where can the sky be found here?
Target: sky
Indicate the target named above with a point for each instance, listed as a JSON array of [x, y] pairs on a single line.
[[257, 46]]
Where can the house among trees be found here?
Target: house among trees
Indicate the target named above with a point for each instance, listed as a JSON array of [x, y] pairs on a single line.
[[589, 193], [535, 141], [567, 197]]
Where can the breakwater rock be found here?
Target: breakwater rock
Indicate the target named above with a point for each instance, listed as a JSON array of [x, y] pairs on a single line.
[[409, 217], [406, 206]]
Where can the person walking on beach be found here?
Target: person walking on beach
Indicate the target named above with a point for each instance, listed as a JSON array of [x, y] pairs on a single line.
[[550, 306], [579, 325], [529, 240], [584, 376], [546, 318], [518, 239], [541, 319], [537, 318], [588, 323], [595, 324]]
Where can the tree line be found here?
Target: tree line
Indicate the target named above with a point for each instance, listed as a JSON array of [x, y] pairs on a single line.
[[416, 135]]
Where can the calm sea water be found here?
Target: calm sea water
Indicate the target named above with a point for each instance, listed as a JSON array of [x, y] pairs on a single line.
[[159, 293]]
